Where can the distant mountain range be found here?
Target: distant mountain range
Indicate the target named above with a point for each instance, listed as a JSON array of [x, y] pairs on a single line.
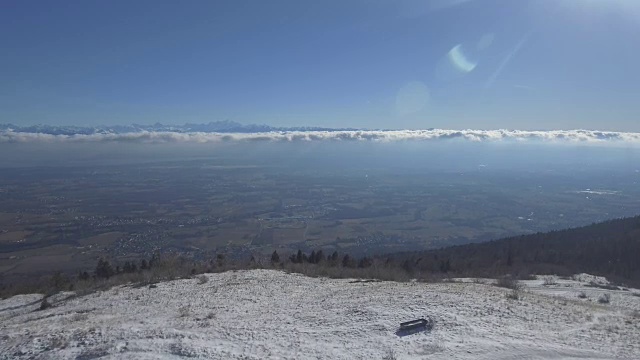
[[211, 127], [233, 131]]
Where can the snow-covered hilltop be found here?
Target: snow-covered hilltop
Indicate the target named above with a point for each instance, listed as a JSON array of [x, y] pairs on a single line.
[[267, 314]]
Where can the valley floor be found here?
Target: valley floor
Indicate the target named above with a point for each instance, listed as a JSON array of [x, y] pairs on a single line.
[[268, 314]]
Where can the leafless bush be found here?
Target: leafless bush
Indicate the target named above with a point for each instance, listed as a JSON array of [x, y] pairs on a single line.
[[550, 280], [94, 353], [80, 317], [514, 294], [582, 295], [612, 328], [184, 311], [509, 283], [390, 355], [84, 287], [202, 279], [58, 342], [125, 278], [45, 304], [431, 348], [181, 350], [604, 299], [528, 277]]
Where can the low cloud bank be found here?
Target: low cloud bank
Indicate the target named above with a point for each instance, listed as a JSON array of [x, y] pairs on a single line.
[[557, 136]]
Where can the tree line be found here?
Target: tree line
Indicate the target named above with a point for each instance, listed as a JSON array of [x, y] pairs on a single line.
[[610, 249]]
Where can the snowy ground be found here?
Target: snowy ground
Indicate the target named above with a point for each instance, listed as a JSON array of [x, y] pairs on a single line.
[[262, 314]]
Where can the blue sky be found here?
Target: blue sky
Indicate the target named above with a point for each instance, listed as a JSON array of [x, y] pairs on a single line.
[[481, 64]]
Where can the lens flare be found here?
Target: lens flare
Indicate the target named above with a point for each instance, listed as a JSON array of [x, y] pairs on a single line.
[[460, 60]]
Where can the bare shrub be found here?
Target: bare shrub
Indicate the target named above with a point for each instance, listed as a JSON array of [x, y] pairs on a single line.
[[58, 342], [611, 328], [528, 277], [125, 278], [431, 348], [582, 295], [184, 311], [604, 299], [80, 317], [181, 350], [202, 279], [514, 294], [550, 280], [45, 304], [59, 282], [93, 353], [390, 355], [509, 283], [84, 287]]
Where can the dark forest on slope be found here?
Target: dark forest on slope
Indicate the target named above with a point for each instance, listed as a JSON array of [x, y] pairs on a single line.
[[610, 248]]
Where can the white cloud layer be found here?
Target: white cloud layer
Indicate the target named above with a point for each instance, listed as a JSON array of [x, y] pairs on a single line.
[[555, 136]]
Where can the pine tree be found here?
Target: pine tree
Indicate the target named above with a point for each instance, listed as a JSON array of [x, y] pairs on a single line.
[[103, 269], [154, 260], [407, 266], [346, 260], [445, 266], [365, 262], [275, 258], [83, 276], [59, 281], [334, 256]]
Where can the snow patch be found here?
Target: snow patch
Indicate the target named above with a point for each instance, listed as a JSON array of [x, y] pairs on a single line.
[[590, 279], [267, 314]]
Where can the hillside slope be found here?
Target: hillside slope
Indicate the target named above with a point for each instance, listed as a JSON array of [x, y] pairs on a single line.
[[609, 248], [261, 314]]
